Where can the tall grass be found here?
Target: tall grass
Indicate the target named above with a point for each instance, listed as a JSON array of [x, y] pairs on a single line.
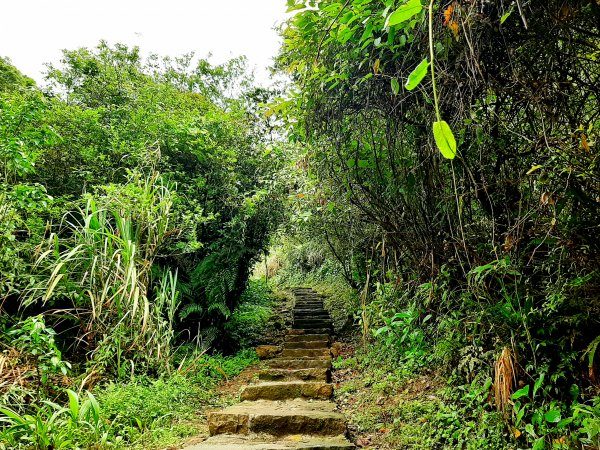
[[99, 267]]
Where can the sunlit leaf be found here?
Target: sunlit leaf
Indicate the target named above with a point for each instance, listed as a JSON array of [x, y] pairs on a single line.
[[405, 12], [539, 444], [417, 75], [444, 139], [523, 392], [367, 33], [564, 423], [533, 169], [552, 416], [506, 15]]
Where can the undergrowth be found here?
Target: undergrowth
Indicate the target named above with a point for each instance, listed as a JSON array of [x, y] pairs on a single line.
[[40, 407], [141, 413], [411, 385], [398, 405]]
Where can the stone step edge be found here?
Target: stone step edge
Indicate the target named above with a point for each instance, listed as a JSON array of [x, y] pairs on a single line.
[[287, 390], [284, 442], [316, 374]]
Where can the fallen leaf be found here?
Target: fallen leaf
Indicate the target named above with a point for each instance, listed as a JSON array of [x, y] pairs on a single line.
[[547, 199], [363, 441]]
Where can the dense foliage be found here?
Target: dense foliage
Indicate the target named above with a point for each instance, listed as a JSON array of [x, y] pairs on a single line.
[[491, 256], [432, 168], [135, 197]]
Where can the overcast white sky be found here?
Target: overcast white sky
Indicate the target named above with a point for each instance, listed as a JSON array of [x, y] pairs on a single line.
[[33, 32]]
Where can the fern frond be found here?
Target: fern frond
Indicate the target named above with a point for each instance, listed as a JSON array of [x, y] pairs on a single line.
[[189, 309]]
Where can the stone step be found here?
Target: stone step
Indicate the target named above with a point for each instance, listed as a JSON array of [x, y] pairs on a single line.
[[307, 344], [300, 363], [317, 320], [297, 374], [305, 353], [313, 318], [265, 442], [306, 337], [313, 331], [312, 323], [311, 313], [287, 390], [267, 351], [278, 418]]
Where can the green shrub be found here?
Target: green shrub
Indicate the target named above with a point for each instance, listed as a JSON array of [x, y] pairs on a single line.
[[249, 323], [35, 343]]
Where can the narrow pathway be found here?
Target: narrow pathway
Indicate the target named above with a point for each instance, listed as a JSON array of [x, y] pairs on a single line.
[[290, 406]]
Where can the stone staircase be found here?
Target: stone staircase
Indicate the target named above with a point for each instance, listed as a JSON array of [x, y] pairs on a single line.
[[290, 406]]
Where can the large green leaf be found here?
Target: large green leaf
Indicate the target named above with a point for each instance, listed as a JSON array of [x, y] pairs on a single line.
[[523, 392], [444, 139], [417, 75], [552, 416], [405, 12], [395, 86]]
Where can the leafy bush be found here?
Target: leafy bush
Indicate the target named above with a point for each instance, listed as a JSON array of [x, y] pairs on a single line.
[[249, 323], [36, 347]]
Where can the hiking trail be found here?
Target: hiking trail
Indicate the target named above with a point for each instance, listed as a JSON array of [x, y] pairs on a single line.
[[290, 406]]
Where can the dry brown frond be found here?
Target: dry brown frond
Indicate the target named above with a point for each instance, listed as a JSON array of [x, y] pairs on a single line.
[[504, 379]]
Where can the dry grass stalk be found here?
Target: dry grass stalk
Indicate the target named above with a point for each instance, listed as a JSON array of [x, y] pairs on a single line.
[[504, 379], [12, 370]]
